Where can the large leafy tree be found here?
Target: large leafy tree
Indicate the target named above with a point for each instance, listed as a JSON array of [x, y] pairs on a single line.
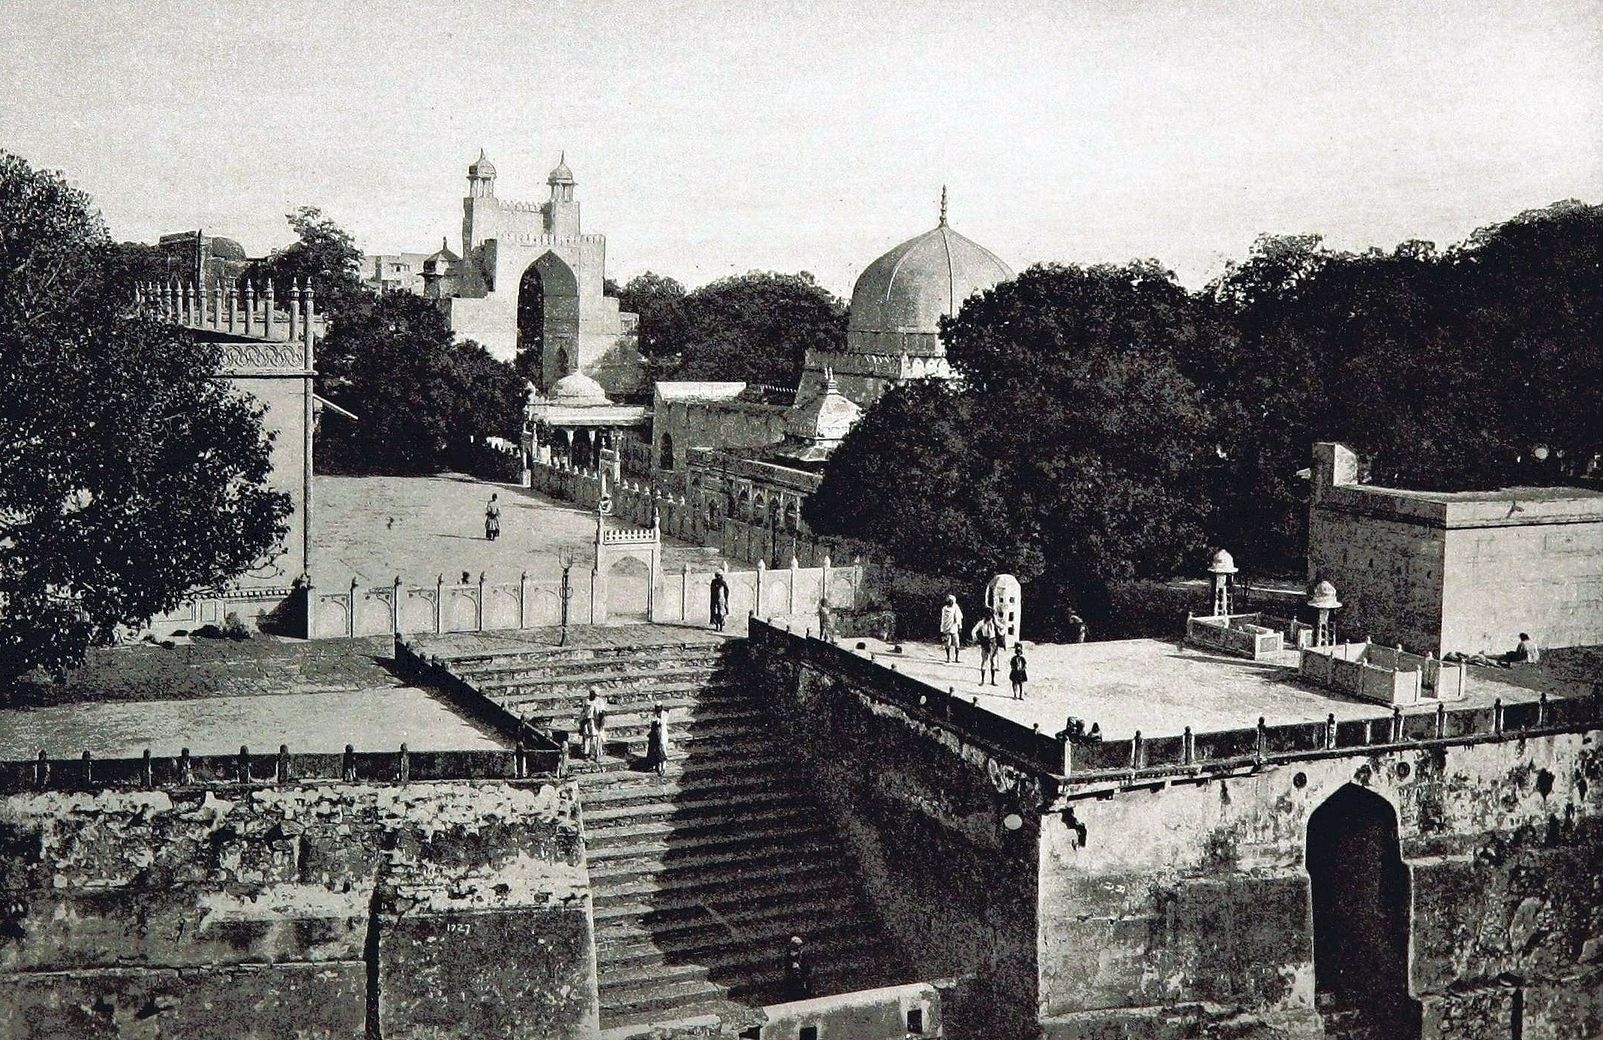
[[754, 328], [419, 396], [1076, 455], [134, 476], [324, 256], [652, 296]]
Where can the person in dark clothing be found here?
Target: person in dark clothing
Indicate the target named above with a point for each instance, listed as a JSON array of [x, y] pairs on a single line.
[[492, 518], [798, 974], [657, 741], [718, 606], [1018, 671]]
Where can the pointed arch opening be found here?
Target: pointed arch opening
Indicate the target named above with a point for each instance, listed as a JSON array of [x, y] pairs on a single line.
[[548, 319], [1361, 899]]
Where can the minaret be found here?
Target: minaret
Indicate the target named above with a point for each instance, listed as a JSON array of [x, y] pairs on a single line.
[[480, 197], [562, 211]]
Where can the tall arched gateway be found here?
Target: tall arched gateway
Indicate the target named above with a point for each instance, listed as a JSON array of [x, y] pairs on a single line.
[[548, 316], [1361, 899]]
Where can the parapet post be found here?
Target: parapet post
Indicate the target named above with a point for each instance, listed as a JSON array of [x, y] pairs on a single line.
[[1497, 717], [1441, 720], [186, 768], [267, 318], [348, 765], [1330, 731], [1135, 748], [1396, 725], [242, 768], [294, 306], [1188, 747], [1261, 748], [88, 769], [41, 770], [403, 766], [250, 306], [281, 767], [1541, 710], [147, 778]]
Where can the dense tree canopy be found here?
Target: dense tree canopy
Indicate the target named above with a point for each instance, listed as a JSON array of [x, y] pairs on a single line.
[[753, 328], [1075, 456], [420, 397], [652, 297], [1111, 425], [132, 475]]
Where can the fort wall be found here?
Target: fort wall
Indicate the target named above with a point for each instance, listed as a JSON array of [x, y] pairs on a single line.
[[347, 909]]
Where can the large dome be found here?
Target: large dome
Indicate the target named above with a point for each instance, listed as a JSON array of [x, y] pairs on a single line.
[[910, 288]]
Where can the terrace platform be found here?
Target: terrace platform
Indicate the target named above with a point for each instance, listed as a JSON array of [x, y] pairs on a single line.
[[1160, 688]]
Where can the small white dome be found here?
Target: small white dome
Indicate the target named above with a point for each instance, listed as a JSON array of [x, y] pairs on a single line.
[[578, 388]]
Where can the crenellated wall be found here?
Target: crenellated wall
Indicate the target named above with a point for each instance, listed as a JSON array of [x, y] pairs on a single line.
[[315, 910]]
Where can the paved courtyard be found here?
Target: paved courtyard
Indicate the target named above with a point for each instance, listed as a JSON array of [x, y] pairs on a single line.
[[1156, 687], [377, 528]]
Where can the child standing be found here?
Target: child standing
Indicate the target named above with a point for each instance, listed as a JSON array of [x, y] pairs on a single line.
[[1018, 672]]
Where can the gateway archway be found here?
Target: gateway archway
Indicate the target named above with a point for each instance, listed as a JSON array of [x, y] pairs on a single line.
[[1361, 896]]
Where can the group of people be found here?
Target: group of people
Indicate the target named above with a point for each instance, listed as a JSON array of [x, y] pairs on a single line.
[[989, 635], [593, 733]]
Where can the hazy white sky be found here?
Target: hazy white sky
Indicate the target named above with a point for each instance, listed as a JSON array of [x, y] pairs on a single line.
[[710, 139]]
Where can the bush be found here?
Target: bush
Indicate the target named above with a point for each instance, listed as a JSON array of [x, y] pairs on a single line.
[[234, 627]]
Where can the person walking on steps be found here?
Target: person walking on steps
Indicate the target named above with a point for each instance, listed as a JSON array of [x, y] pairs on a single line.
[[593, 727], [1018, 671], [798, 976], [657, 741], [987, 636], [718, 607], [492, 518], [952, 629]]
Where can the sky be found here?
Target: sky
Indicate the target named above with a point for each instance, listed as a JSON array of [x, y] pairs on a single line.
[[711, 139]]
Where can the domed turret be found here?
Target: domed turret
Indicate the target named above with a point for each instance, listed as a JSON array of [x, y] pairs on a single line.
[[482, 166], [561, 174], [578, 388], [899, 299], [1222, 563]]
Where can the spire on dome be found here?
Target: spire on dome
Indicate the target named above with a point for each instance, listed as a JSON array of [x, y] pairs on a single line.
[[943, 205]]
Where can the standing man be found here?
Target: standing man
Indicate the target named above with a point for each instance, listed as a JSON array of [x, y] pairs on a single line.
[[718, 607], [1076, 628], [988, 637], [492, 518], [657, 741], [798, 976], [952, 629]]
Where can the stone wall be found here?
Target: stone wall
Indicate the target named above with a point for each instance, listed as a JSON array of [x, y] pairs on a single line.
[[924, 817], [1465, 571], [1197, 893], [424, 910]]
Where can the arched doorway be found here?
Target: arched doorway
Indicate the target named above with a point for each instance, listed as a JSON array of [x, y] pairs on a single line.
[[1360, 892], [665, 459], [548, 319], [629, 590]]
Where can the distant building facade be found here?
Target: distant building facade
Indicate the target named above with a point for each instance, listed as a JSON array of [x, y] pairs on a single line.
[[1456, 571], [529, 278]]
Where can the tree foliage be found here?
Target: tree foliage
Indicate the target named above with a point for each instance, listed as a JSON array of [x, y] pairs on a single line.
[[419, 396], [754, 328], [1112, 425], [324, 256], [133, 475], [653, 297], [1075, 456]]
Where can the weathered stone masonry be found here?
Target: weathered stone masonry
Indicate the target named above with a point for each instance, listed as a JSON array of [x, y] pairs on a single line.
[[312, 910], [1176, 901]]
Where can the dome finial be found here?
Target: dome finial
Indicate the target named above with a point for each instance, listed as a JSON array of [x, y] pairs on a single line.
[[943, 205]]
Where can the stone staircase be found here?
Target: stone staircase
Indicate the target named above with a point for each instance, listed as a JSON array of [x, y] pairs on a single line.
[[698, 878]]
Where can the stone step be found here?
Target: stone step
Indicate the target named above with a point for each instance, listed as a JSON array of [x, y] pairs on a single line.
[[579, 684], [623, 815], [684, 1020], [651, 788], [686, 769], [459, 660], [759, 986], [666, 866], [798, 910], [638, 717], [743, 961], [648, 659], [713, 945], [818, 834], [787, 877], [569, 706], [659, 829]]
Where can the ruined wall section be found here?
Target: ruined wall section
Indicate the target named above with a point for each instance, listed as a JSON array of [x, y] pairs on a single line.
[[1163, 896], [924, 812], [439, 910]]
